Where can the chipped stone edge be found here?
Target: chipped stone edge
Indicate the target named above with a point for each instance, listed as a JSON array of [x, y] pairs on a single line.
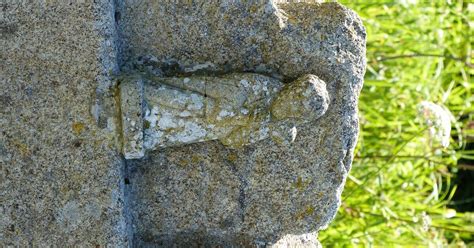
[[131, 105]]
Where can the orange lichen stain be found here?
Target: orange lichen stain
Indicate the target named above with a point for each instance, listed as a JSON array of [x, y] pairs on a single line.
[[78, 127], [253, 9], [306, 212], [292, 20], [23, 148], [232, 157], [195, 158], [182, 162]]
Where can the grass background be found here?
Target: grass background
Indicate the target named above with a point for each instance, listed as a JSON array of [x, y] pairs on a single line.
[[400, 189]]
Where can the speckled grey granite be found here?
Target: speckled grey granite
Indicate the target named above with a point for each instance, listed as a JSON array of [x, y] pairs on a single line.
[[211, 194], [60, 175], [63, 178]]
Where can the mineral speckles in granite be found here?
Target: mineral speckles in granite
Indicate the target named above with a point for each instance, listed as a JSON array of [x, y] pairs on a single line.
[[289, 39], [63, 179], [238, 109], [60, 181]]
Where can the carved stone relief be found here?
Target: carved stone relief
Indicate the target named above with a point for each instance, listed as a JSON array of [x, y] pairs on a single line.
[[237, 109]]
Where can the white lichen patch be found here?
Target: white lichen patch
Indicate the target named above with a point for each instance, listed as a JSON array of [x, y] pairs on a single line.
[[72, 214], [166, 121], [69, 216], [196, 102], [225, 113], [244, 83], [256, 88], [185, 113], [151, 117], [111, 126], [294, 133], [152, 139], [192, 131]]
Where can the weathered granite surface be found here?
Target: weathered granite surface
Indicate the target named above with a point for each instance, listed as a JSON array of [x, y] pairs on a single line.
[[63, 178], [210, 193]]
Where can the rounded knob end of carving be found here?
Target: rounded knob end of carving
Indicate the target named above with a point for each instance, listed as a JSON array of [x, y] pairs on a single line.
[[305, 98]]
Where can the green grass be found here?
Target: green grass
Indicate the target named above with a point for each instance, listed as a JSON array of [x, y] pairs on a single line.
[[401, 182]]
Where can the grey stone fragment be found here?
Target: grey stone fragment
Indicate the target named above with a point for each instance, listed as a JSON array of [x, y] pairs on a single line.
[[212, 194]]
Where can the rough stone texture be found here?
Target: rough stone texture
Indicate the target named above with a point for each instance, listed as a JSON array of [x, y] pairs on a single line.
[[287, 40], [63, 181], [211, 194], [60, 175]]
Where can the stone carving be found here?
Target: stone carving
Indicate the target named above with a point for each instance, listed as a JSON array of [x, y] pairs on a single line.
[[275, 186], [238, 109], [64, 181]]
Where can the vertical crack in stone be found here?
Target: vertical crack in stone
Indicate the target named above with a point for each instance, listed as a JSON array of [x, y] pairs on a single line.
[[127, 212], [243, 184], [117, 10], [107, 107]]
